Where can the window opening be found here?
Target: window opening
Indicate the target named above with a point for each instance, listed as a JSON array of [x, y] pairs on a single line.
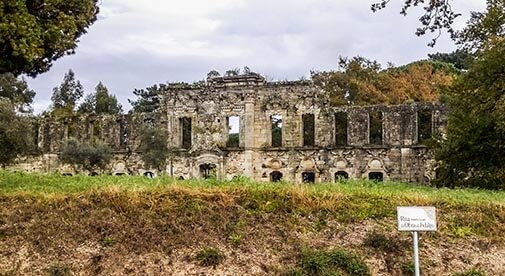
[[185, 123], [308, 121], [276, 121], [375, 128], [341, 175], [424, 126], [376, 176], [233, 132], [308, 177], [275, 176], [341, 128], [208, 171]]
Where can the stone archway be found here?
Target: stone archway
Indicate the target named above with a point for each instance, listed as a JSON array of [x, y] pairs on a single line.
[[275, 176], [341, 175], [208, 171]]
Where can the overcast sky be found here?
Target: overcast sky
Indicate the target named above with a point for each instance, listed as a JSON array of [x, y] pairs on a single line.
[[135, 44]]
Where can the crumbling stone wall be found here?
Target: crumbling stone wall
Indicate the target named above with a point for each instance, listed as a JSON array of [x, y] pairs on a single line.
[[398, 156]]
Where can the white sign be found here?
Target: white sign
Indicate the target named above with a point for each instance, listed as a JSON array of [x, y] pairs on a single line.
[[416, 218]]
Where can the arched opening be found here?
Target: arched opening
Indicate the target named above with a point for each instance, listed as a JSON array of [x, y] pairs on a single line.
[[67, 174], [119, 174], [341, 175], [376, 176], [93, 174], [308, 177], [180, 177], [149, 174], [275, 176], [208, 171]]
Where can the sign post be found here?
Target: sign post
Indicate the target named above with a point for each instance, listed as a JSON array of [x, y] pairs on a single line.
[[416, 219]]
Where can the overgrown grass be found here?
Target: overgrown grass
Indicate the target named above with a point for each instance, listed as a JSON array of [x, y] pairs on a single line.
[[461, 212], [54, 184], [331, 262]]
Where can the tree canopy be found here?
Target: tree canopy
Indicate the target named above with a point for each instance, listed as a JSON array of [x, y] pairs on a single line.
[[15, 133], [100, 102], [88, 156], [17, 91], [154, 147], [147, 99], [66, 95], [360, 81], [33, 34]]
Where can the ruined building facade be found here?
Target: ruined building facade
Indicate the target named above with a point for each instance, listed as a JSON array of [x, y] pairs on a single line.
[[286, 131]]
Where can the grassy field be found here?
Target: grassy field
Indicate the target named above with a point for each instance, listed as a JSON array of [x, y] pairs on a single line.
[[124, 214], [463, 211]]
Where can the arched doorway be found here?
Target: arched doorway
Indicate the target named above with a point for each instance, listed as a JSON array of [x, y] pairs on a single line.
[[376, 176], [208, 170], [308, 177], [149, 174], [275, 176], [341, 175]]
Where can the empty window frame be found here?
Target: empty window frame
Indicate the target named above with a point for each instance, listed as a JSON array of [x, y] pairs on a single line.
[[341, 175], [208, 171], [275, 176], [424, 125], [185, 123], [308, 121], [375, 128], [233, 132], [276, 121], [340, 128], [376, 176], [308, 177]]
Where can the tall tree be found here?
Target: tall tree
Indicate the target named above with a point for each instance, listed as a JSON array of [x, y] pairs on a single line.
[[15, 133], [35, 33], [473, 153], [360, 81], [66, 95], [147, 99], [17, 91], [153, 147], [461, 59], [100, 102]]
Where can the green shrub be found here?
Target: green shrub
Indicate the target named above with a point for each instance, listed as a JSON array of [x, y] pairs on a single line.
[[332, 262], [408, 269], [107, 241], [209, 256], [84, 155], [471, 272]]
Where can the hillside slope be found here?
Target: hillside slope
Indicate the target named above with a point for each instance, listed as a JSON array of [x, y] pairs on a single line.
[[53, 225]]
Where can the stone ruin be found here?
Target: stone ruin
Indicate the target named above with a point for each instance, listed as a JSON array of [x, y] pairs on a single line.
[[236, 126]]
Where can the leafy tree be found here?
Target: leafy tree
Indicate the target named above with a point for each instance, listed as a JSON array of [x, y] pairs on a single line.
[[15, 133], [66, 95], [473, 153], [484, 28], [17, 91], [33, 34], [461, 59], [100, 102], [88, 156], [154, 147], [360, 81], [147, 99]]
